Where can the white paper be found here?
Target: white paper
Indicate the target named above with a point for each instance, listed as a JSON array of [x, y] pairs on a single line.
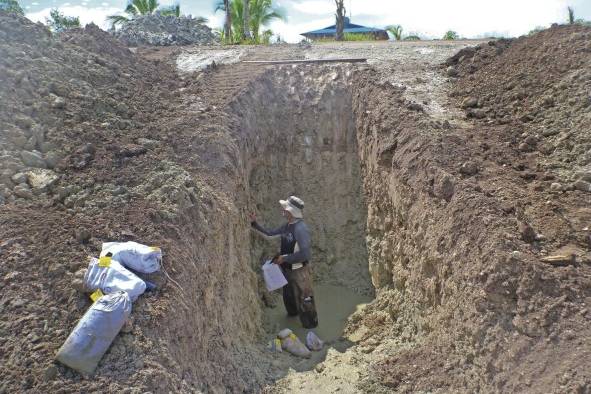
[[273, 276]]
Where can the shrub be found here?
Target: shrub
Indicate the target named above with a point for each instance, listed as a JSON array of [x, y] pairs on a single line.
[[451, 35], [11, 6], [58, 22], [412, 37]]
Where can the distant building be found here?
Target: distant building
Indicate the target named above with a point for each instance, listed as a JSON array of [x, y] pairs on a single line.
[[329, 32]]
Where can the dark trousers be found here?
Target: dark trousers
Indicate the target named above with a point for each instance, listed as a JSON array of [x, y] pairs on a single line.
[[298, 296]]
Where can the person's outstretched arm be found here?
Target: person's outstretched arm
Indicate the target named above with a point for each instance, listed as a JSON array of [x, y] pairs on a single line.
[[269, 233]]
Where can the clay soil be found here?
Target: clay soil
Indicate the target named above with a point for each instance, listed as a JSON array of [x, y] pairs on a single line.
[[456, 171]]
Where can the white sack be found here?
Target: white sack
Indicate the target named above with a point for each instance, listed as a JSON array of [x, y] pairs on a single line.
[[138, 257], [113, 278]]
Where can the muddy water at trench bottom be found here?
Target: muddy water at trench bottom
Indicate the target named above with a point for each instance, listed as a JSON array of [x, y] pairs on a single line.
[[334, 305]]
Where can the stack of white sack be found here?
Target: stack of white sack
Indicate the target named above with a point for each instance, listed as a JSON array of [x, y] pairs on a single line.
[[108, 275], [94, 333], [291, 343], [135, 256]]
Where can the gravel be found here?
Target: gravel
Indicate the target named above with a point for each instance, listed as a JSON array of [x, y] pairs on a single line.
[[160, 30]]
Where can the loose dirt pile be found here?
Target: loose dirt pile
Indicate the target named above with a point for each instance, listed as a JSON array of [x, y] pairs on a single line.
[[91, 120], [165, 30], [457, 212], [470, 286], [539, 86]]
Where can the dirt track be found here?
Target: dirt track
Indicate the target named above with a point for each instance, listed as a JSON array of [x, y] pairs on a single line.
[[438, 174]]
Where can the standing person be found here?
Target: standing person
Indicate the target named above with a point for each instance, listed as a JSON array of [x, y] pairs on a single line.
[[294, 259]]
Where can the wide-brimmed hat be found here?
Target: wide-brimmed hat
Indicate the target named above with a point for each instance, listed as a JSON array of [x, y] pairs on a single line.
[[293, 205]]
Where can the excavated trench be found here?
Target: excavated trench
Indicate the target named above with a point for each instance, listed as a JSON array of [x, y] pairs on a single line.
[[391, 218], [301, 140], [299, 137], [330, 135], [459, 301], [377, 202]]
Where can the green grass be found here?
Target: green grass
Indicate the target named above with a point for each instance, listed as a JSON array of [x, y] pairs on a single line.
[[351, 37], [359, 37]]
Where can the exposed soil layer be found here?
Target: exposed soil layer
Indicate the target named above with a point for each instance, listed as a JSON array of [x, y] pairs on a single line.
[[451, 215], [107, 115], [481, 211]]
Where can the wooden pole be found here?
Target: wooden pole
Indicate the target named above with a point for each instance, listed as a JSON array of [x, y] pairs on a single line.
[[298, 61]]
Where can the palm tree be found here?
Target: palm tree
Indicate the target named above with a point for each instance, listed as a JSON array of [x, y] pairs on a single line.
[[143, 7], [261, 14], [571, 15], [226, 7], [233, 15], [340, 20], [396, 31], [245, 20], [228, 21]]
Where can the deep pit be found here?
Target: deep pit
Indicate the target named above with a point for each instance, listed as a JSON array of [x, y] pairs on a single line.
[[298, 137], [413, 206]]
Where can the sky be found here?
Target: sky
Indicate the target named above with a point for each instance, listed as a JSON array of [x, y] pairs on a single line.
[[427, 18]]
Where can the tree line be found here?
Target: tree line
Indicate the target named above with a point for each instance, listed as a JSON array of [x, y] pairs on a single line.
[[244, 20]]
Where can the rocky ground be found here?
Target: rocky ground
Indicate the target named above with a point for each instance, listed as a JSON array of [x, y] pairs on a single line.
[[85, 160], [163, 30], [466, 175]]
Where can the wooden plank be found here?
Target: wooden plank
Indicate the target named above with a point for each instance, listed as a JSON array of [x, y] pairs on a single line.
[[559, 260], [297, 61]]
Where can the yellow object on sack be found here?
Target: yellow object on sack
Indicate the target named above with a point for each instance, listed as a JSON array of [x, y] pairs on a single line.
[[105, 261], [96, 295], [154, 249]]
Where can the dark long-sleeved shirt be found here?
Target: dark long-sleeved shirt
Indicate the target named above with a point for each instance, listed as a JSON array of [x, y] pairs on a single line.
[[296, 242]]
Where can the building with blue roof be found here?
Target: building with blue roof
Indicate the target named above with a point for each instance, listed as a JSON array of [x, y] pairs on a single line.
[[330, 31]]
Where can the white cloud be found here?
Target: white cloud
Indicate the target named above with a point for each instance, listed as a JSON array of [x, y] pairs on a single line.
[[315, 7], [290, 32], [470, 18], [97, 15], [430, 18], [467, 17]]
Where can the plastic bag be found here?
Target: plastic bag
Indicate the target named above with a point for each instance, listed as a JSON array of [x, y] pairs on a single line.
[[138, 257], [95, 332], [108, 275], [292, 344], [313, 342], [275, 346], [274, 278]]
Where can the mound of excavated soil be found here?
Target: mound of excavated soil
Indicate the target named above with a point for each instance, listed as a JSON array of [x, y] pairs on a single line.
[[522, 158], [85, 159], [540, 87], [164, 30]]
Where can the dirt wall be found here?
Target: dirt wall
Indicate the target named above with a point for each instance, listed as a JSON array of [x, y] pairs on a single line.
[[298, 137]]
